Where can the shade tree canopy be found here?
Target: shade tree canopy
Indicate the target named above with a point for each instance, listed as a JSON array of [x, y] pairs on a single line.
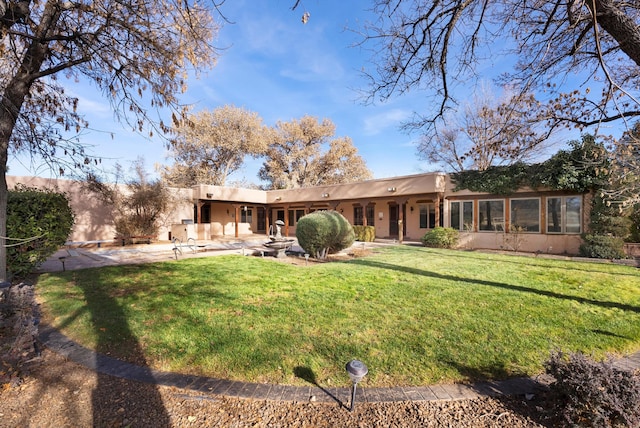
[[297, 156], [210, 145]]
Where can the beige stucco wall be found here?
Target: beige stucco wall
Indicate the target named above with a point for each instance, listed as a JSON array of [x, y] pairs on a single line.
[[529, 242], [93, 219]]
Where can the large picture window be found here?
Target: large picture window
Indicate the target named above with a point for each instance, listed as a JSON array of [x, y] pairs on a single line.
[[461, 215], [491, 215], [525, 215], [564, 214]]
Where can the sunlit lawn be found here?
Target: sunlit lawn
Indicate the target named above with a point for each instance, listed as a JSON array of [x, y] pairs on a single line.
[[414, 315]]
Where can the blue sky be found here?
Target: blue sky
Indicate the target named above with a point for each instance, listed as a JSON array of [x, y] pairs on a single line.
[[274, 65]]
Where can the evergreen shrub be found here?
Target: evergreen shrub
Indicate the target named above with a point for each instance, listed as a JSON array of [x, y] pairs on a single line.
[[602, 247], [441, 237], [365, 233], [38, 223], [324, 232]]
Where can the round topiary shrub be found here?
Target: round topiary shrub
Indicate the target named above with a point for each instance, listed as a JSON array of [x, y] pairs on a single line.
[[324, 232], [441, 237], [344, 235]]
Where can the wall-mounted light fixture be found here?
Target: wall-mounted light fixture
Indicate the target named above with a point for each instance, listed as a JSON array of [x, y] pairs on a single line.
[[391, 189], [278, 198], [325, 195], [209, 195], [411, 209]]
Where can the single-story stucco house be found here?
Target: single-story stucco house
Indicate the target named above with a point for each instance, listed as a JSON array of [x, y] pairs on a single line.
[[402, 208]]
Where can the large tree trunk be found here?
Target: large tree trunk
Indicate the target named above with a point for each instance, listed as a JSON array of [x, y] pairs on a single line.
[[11, 101], [622, 28]]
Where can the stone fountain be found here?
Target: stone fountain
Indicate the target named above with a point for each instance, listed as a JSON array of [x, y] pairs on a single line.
[[278, 243]]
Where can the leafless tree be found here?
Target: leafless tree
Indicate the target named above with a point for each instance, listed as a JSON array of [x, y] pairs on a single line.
[[487, 132], [438, 44]]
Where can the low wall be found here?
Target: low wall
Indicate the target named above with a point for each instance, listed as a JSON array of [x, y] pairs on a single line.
[[632, 249]]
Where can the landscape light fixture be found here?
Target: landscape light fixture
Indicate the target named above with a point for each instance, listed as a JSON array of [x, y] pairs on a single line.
[[356, 370]]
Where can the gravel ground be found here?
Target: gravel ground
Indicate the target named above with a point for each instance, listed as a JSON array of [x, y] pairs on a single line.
[[39, 388]]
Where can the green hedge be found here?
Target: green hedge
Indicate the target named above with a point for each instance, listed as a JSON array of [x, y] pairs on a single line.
[[38, 223], [365, 233], [602, 247], [441, 237]]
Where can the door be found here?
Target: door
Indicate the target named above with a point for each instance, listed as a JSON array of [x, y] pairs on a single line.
[[262, 223], [393, 220], [394, 216]]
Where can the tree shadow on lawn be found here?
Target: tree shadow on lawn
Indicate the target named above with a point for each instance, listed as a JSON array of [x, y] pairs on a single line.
[[484, 256], [114, 402], [512, 287]]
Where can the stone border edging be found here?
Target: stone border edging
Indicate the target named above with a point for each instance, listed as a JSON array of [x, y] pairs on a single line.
[[61, 344]]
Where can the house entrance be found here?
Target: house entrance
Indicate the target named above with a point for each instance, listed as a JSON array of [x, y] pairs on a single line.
[[262, 223], [394, 215]]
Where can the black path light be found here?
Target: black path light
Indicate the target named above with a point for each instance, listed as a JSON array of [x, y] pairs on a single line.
[[356, 370]]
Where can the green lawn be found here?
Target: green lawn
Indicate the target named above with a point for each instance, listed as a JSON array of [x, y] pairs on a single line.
[[414, 315]]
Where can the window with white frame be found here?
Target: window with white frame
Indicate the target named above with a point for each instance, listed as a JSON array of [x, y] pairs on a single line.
[[525, 215], [461, 215], [491, 215], [564, 214]]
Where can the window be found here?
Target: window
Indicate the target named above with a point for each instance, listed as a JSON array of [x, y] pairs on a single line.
[[246, 215], [357, 216], [491, 215], [358, 219], [525, 215], [564, 214], [464, 220], [427, 216], [371, 215], [294, 216]]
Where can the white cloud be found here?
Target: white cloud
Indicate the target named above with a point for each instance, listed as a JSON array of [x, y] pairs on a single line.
[[380, 122]]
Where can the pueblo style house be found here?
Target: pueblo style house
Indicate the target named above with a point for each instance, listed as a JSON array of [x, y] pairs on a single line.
[[400, 208]]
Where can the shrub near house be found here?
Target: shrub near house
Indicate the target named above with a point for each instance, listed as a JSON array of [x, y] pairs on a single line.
[[38, 223], [441, 237], [324, 232]]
